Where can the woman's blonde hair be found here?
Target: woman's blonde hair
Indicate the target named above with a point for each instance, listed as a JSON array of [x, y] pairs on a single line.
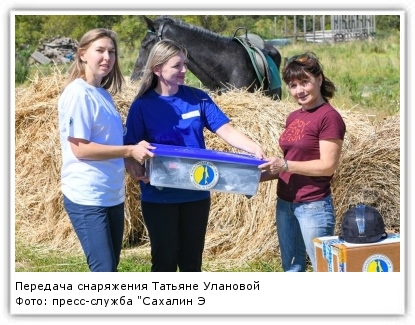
[[114, 80], [159, 55]]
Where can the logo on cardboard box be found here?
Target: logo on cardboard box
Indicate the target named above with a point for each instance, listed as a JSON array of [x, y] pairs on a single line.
[[377, 263]]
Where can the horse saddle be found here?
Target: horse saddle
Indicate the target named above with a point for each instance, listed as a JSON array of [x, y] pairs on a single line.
[[265, 68]]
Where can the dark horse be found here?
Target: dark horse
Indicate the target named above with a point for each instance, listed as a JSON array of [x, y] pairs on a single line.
[[220, 63]]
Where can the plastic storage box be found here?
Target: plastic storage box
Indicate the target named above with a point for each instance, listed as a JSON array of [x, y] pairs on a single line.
[[336, 255], [203, 170]]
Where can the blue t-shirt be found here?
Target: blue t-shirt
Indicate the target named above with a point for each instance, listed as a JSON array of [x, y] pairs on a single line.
[[174, 120]]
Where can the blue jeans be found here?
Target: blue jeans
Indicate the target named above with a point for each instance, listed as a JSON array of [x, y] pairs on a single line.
[[100, 231], [297, 225]]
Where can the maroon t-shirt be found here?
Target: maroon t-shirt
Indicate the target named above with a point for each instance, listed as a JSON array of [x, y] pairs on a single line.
[[300, 142]]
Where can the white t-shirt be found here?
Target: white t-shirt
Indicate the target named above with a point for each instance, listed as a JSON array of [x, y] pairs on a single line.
[[89, 113]]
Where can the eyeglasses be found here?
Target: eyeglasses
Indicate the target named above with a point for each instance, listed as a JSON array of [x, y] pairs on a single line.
[[301, 58]]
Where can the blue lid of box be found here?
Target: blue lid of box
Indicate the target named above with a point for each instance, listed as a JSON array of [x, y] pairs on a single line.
[[205, 154]]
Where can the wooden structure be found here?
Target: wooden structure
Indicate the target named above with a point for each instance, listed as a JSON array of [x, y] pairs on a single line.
[[59, 50], [343, 28], [36, 56]]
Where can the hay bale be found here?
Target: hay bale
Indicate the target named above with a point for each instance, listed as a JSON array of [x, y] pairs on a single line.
[[369, 170], [239, 228]]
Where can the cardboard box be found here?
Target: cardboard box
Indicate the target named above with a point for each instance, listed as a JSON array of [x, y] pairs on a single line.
[[335, 255], [203, 170]]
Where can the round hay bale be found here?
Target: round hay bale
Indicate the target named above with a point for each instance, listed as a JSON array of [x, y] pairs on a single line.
[[239, 228]]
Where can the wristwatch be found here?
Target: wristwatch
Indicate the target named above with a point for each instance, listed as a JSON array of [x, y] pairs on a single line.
[[284, 165]]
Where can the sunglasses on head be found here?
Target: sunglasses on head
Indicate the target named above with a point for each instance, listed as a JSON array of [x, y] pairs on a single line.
[[301, 58]]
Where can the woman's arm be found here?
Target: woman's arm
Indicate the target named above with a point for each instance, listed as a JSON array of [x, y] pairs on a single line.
[[239, 140], [330, 151], [83, 149]]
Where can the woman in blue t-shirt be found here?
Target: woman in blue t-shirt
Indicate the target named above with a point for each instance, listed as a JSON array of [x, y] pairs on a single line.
[[165, 111]]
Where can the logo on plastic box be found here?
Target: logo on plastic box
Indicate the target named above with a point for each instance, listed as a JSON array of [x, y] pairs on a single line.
[[204, 175], [377, 263]]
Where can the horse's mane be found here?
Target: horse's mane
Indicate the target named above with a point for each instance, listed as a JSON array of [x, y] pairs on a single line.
[[199, 30]]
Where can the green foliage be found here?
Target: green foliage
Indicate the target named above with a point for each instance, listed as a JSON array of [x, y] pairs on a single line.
[[128, 62], [28, 31], [240, 21], [131, 30], [215, 23], [62, 25], [22, 67], [388, 23]]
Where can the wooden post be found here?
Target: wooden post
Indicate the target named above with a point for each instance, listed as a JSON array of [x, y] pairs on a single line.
[[295, 29]]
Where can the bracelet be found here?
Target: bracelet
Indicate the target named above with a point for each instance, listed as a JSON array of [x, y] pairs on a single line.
[[284, 166]]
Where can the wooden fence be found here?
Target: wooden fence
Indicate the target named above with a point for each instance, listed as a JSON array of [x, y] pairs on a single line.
[[343, 28]]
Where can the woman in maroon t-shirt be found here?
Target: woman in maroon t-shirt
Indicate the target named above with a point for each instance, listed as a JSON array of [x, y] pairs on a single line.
[[311, 143]]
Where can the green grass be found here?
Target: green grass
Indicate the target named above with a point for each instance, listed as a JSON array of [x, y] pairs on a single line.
[[31, 258], [365, 73]]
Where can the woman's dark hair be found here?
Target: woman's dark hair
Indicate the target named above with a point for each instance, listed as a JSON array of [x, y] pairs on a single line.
[[300, 67]]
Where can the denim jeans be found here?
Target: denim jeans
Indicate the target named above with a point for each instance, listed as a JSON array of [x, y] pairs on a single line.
[[297, 225], [100, 231]]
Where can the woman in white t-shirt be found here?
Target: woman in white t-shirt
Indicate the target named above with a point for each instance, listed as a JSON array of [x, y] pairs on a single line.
[[91, 136]]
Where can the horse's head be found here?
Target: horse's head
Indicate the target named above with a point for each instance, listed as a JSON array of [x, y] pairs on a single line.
[[219, 62], [146, 45], [154, 34]]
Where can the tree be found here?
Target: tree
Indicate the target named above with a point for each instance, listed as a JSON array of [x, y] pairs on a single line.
[[28, 30], [131, 30], [388, 22]]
